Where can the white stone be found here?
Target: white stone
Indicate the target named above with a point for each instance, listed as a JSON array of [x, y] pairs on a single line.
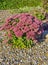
[[1, 60]]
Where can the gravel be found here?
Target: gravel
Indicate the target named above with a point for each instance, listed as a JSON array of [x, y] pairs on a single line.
[[37, 55]]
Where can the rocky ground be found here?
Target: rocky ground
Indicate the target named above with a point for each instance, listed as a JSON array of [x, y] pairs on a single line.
[[37, 55]]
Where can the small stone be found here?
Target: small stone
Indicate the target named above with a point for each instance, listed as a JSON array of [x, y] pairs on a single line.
[[39, 64], [1, 60], [40, 58], [0, 18], [46, 54], [34, 62], [7, 62], [21, 61], [45, 63], [47, 36]]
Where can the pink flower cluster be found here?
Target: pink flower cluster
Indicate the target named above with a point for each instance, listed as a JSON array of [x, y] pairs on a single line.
[[27, 24]]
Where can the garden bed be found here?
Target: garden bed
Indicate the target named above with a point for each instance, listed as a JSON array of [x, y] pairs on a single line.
[[36, 55]]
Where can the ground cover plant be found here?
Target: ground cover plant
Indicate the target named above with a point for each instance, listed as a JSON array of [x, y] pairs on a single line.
[[13, 4], [23, 30]]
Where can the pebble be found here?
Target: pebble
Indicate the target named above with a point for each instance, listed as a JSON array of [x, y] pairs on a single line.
[[1, 60], [0, 18]]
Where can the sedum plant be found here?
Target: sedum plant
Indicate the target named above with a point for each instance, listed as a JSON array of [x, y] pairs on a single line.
[[23, 30]]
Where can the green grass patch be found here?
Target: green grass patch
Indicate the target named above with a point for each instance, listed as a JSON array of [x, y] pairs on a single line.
[[13, 4]]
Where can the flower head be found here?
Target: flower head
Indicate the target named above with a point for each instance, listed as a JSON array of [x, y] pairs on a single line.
[[24, 23]]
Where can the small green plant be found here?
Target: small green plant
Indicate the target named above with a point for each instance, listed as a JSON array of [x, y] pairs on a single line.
[[20, 42], [17, 20], [40, 16]]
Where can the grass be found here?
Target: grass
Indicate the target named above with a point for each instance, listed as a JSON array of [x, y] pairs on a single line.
[[35, 11], [13, 4]]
